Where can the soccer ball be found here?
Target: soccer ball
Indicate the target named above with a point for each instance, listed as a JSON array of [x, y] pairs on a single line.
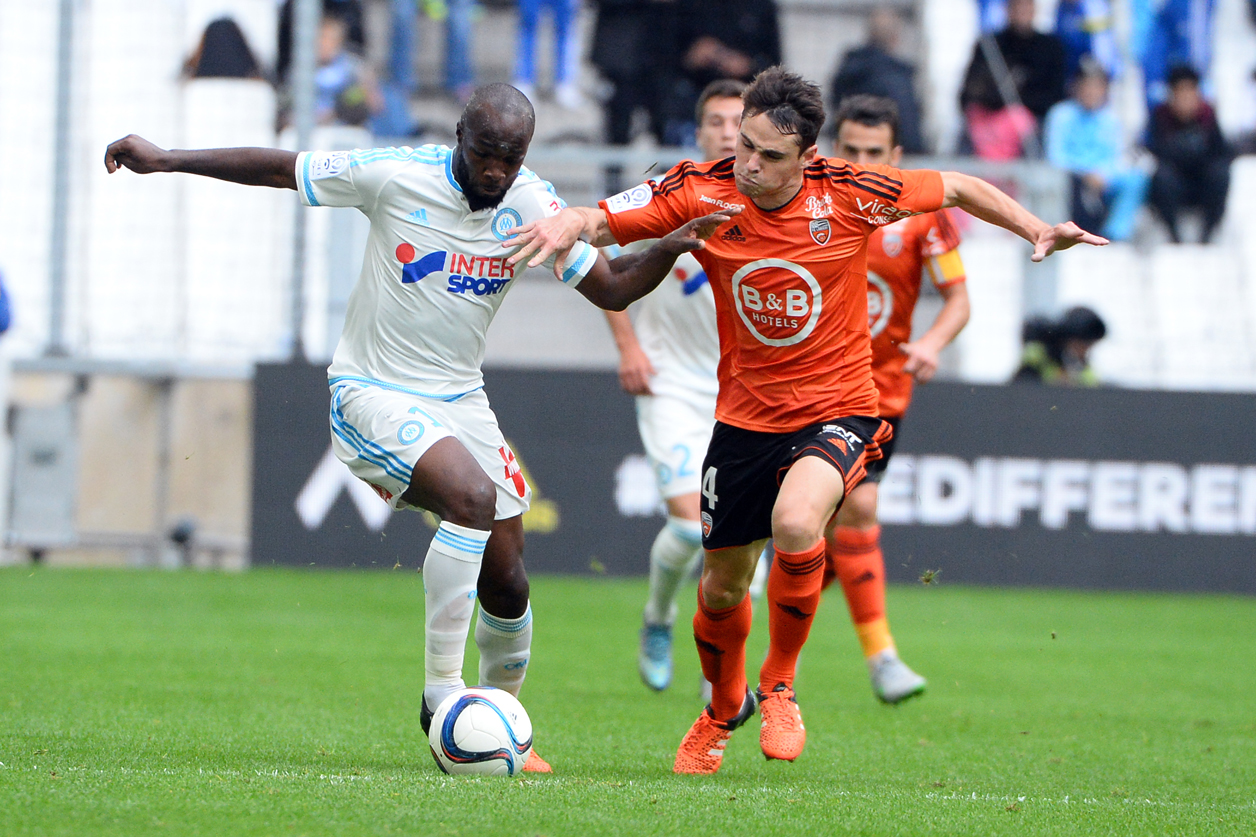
[[481, 731]]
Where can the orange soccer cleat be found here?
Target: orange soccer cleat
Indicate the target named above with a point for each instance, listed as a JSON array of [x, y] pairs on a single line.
[[702, 748], [536, 764], [782, 735]]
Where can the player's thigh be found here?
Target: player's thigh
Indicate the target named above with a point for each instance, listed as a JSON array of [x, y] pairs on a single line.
[[473, 422], [381, 435], [675, 434]]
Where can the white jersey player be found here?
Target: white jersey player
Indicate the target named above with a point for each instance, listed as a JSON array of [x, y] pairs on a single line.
[[668, 359], [408, 412]]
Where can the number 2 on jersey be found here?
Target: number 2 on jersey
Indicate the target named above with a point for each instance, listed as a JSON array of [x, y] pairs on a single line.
[[708, 487]]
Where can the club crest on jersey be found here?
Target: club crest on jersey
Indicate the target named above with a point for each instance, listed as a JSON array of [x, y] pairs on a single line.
[[880, 303], [504, 221], [820, 230], [892, 244]]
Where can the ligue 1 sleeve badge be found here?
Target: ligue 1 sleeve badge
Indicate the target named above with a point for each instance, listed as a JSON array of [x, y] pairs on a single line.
[[820, 230]]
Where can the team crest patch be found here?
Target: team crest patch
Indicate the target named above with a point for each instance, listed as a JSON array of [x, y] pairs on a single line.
[[892, 244], [706, 525], [820, 230], [504, 221]]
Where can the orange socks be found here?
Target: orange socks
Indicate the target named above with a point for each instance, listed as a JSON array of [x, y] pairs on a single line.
[[721, 639], [854, 557], [793, 596]]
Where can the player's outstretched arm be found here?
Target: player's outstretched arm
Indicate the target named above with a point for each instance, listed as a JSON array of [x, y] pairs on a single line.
[[251, 166], [989, 203], [557, 233], [613, 285]]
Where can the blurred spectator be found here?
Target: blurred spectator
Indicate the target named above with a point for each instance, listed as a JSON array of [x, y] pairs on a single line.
[[223, 52], [345, 92], [1192, 158], [1180, 35], [396, 120], [458, 17], [874, 69], [566, 50], [6, 307], [718, 39], [1085, 28], [1004, 105], [991, 16], [1083, 137], [350, 11], [634, 48], [1057, 352]]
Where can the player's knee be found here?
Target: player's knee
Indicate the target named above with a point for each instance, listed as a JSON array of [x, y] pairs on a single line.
[[505, 592], [719, 592], [860, 510], [796, 529], [472, 504]]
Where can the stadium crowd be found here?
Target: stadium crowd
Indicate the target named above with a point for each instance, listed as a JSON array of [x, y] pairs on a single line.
[[1026, 93]]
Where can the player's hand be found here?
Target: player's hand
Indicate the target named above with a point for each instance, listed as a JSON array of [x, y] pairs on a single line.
[[635, 371], [1062, 237], [922, 360], [137, 154], [543, 238], [693, 235]]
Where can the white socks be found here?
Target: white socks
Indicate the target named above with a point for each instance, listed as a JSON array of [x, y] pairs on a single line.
[[505, 646], [450, 572], [676, 550]]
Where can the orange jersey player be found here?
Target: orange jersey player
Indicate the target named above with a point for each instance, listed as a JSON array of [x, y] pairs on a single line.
[[898, 256], [796, 417]]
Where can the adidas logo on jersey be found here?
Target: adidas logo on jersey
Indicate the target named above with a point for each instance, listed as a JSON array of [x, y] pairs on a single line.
[[733, 234]]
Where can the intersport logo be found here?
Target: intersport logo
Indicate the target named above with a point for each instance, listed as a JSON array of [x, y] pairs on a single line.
[[1105, 496]]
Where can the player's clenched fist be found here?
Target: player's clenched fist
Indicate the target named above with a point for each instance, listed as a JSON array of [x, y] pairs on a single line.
[[135, 153]]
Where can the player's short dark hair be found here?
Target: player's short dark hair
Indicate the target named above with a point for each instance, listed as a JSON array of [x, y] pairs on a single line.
[[721, 88], [869, 111], [1179, 73], [790, 102]]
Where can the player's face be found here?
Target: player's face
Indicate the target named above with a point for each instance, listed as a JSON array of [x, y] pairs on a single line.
[[491, 161], [769, 164], [717, 133], [866, 145]]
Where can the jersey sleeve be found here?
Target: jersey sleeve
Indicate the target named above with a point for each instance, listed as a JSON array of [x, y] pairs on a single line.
[[347, 178], [535, 201], [939, 250], [880, 195], [652, 210]]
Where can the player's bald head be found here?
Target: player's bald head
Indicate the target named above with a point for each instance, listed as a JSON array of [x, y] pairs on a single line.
[[499, 113]]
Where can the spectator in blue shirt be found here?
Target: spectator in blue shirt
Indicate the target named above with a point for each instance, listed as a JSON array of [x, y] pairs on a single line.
[[1083, 137]]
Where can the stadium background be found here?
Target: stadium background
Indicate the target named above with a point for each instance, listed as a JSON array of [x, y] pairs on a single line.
[[139, 429]]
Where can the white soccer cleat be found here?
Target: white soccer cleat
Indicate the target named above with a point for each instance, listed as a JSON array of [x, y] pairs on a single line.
[[892, 681]]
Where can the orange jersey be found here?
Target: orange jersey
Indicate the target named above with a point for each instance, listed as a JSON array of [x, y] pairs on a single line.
[[898, 256], [790, 284]]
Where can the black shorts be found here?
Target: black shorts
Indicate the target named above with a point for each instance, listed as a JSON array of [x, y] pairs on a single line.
[[743, 471], [876, 468]]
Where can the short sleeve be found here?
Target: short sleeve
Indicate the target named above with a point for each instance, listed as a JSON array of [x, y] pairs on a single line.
[[654, 209], [880, 195], [347, 178]]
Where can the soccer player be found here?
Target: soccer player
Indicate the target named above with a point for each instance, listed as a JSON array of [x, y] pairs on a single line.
[[668, 361], [408, 412], [796, 411], [899, 254]]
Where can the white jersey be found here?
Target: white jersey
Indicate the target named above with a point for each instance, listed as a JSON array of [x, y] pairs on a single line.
[[677, 330], [434, 272]]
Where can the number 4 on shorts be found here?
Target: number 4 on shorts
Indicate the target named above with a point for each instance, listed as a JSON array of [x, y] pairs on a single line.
[[708, 486]]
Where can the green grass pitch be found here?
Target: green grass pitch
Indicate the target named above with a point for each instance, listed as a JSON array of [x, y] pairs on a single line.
[[282, 702]]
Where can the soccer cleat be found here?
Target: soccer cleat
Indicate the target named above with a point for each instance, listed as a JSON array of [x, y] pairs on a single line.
[[654, 657], [702, 748], [425, 717], [782, 734], [892, 681], [536, 764]]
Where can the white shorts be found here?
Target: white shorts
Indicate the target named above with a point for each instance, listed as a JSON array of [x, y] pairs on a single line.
[[675, 434], [380, 433]]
